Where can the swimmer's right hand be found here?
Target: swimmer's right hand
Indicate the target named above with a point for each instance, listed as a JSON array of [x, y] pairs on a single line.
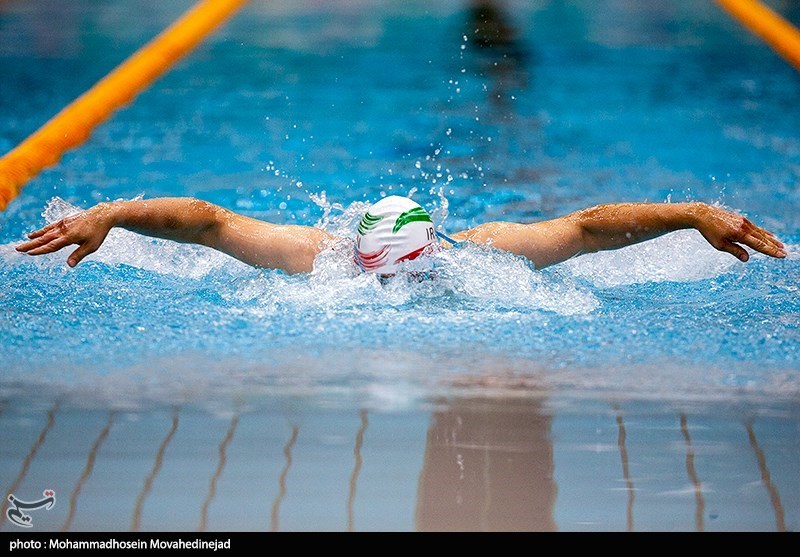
[[88, 229]]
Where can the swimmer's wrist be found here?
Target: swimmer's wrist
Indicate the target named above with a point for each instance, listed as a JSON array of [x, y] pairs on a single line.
[[694, 214], [109, 213]]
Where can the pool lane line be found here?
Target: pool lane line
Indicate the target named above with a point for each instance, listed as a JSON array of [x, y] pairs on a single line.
[[73, 125], [223, 459], [87, 471], [148, 482], [356, 470], [700, 504], [26, 463], [766, 479], [623, 453], [276, 504], [771, 27]]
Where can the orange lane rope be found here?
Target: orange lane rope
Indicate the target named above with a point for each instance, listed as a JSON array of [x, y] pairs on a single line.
[[773, 29], [73, 125]]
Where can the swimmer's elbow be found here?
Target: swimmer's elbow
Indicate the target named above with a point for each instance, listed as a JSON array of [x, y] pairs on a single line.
[[584, 230], [210, 223]]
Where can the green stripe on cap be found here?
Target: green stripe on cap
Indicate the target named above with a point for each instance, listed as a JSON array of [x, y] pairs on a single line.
[[416, 214], [368, 222]]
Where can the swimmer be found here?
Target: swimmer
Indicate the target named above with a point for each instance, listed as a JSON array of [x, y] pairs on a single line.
[[397, 229]]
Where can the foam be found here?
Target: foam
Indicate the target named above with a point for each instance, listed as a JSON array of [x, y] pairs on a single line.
[[681, 256]]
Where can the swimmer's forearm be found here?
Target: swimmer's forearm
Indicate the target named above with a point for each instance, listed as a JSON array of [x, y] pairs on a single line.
[[616, 225], [180, 219]]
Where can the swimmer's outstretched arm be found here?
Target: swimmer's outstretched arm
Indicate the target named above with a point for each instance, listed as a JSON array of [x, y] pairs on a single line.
[[290, 248], [616, 225]]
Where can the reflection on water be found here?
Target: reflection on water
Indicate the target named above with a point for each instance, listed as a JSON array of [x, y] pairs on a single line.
[[488, 467], [529, 460], [276, 505], [212, 490], [91, 458], [148, 483], [501, 53], [766, 479]]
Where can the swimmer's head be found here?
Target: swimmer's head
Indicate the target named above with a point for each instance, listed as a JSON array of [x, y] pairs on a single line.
[[392, 231]]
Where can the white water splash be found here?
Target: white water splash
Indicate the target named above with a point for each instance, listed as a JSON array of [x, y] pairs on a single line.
[[681, 256], [470, 277]]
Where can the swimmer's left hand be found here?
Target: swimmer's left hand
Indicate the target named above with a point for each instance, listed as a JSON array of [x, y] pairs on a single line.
[[726, 231]]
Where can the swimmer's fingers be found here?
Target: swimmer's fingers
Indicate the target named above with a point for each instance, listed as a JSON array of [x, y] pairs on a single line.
[[53, 241], [43, 230], [81, 252], [63, 233], [49, 247], [761, 240], [87, 228], [766, 246], [34, 246], [734, 249], [728, 232]]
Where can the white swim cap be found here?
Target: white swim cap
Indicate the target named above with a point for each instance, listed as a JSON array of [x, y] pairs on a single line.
[[393, 230]]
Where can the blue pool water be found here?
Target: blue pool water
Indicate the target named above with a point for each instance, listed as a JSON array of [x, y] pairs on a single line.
[[306, 112]]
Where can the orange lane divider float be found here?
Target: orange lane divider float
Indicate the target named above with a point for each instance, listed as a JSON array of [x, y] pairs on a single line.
[[773, 29], [73, 125]]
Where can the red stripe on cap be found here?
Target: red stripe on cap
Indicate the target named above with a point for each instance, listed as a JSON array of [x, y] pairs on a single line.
[[373, 260], [411, 256]]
